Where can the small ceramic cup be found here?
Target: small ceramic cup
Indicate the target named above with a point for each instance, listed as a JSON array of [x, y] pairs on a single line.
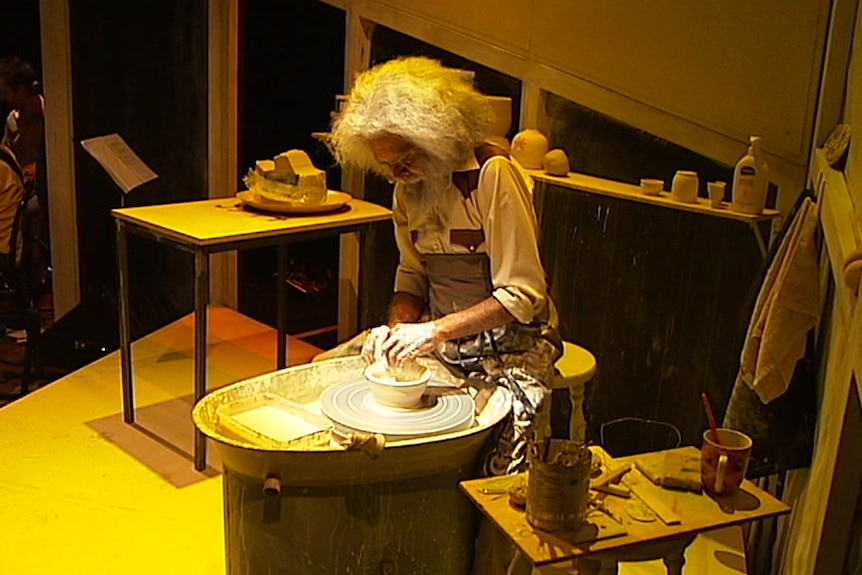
[[716, 193], [723, 463], [651, 186]]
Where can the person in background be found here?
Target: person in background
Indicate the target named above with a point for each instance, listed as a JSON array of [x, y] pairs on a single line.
[[24, 135], [470, 287], [25, 127], [11, 194]]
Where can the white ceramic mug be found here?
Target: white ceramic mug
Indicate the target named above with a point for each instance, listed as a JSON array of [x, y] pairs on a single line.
[[723, 465]]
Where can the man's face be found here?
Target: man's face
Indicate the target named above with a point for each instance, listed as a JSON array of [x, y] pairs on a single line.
[[14, 97], [406, 163]]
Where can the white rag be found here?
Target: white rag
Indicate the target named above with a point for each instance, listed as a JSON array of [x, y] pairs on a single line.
[[787, 307]]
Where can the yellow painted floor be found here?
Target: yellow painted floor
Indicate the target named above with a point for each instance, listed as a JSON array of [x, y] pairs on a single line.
[[83, 493]]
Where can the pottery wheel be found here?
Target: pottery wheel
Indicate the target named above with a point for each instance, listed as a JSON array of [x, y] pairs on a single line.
[[444, 409]]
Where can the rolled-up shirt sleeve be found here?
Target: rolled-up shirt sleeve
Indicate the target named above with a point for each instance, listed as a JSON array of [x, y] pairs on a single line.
[[511, 239], [410, 277]]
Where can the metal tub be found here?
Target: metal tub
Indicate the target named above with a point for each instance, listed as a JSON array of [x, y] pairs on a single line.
[[331, 511]]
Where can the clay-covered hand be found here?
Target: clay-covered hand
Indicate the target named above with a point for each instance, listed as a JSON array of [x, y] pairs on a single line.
[[372, 347], [407, 340]]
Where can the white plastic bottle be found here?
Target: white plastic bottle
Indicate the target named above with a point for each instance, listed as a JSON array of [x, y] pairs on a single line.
[[750, 180]]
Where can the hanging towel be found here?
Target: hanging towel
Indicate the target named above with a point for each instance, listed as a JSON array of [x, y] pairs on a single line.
[[852, 270], [787, 308]]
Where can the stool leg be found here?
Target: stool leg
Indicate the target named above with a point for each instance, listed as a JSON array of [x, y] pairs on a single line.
[[577, 423], [542, 421], [674, 563]]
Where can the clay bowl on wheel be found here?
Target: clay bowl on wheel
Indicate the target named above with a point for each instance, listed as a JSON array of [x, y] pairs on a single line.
[[398, 387]]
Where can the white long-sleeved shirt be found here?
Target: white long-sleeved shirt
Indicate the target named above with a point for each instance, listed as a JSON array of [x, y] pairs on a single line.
[[501, 208]]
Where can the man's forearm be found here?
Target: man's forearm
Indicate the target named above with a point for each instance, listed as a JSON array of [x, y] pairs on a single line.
[[487, 314], [405, 308]]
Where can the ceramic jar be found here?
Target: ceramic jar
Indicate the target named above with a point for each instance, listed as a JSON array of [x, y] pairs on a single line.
[[556, 163], [529, 148], [684, 187]]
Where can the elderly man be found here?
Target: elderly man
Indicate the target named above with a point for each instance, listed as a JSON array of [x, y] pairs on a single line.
[[470, 287]]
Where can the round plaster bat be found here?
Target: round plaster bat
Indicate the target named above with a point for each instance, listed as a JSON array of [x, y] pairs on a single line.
[[556, 163]]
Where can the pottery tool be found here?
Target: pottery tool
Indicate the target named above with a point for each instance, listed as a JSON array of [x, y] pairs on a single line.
[[710, 415], [608, 481], [610, 489], [654, 503]]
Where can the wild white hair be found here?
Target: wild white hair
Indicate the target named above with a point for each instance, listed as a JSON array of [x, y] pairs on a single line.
[[435, 108]]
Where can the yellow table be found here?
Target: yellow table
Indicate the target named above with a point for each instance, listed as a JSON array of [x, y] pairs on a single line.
[[211, 226], [695, 512]]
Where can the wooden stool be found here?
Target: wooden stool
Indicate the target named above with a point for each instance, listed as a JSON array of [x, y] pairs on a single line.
[[576, 366]]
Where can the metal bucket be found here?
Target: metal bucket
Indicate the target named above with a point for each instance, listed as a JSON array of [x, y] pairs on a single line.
[[333, 511], [558, 490]]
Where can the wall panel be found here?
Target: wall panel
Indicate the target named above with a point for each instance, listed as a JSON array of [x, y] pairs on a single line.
[[733, 67]]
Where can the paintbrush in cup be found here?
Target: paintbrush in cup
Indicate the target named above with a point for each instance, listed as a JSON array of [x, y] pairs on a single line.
[[710, 416]]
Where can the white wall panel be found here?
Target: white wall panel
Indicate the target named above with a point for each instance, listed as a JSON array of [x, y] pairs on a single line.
[[735, 67], [505, 23]]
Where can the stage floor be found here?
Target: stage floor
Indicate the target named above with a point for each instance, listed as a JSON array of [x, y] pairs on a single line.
[[81, 492]]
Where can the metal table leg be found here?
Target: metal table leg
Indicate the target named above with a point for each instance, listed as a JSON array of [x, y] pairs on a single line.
[[761, 245], [281, 358], [125, 327], [201, 303]]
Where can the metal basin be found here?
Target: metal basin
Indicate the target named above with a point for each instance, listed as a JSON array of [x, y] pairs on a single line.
[[332, 511]]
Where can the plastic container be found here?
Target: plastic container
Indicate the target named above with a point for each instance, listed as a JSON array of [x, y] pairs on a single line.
[[750, 180]]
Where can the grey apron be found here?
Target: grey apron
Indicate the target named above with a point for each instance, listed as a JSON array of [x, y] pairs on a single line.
[[518, 356]]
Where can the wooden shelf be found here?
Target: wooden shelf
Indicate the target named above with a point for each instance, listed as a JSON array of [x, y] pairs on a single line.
[[633, 193]]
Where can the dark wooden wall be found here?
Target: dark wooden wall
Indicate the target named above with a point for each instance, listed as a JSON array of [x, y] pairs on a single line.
[[660, 296], [291, 69], [139, 69]]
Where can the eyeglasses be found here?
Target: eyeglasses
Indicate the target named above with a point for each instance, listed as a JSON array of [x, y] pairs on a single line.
[[404, 160]]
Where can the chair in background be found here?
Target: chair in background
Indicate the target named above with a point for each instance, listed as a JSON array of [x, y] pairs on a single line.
[[633, 435]]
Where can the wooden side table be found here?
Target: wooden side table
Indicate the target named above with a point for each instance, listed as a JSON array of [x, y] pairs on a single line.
[[211, 226], [632, 540]]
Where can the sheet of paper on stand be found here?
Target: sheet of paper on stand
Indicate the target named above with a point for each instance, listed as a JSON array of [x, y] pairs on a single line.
[[124, 166]]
